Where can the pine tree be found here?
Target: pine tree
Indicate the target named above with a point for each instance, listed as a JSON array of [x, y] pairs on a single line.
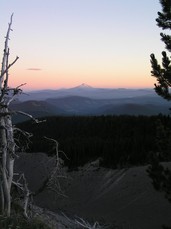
[[163, 72], [161, 176]]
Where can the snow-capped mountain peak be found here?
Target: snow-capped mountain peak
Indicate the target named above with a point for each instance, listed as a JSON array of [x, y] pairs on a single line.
[[83, 86]]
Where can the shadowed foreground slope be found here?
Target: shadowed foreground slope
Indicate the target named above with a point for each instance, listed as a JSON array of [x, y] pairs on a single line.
[[124, 196]]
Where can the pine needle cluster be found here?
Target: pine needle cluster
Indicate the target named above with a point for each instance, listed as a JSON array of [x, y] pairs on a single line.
[[163, 72]]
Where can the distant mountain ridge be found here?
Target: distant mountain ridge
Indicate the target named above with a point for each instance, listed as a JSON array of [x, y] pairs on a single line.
[[86, 100], [86, 90]]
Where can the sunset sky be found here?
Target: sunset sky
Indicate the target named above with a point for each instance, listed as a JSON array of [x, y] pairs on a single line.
[[64, 43]]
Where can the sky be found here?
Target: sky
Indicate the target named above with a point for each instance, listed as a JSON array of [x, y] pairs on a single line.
[[64, 43]]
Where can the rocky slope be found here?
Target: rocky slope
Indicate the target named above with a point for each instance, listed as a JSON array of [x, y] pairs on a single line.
[[123, 196]]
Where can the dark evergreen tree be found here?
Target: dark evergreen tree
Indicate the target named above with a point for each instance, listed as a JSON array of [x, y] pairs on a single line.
[[163, 72], [161, 177]]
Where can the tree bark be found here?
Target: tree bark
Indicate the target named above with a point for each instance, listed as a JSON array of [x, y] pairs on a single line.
[[7, 144], [6, 164]]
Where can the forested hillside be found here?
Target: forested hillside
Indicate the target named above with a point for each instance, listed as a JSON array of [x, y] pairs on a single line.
[[119, 140]]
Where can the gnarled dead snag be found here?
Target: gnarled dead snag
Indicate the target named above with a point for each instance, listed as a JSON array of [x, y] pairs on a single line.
[[7, 141], [53, 181], [7, 146]]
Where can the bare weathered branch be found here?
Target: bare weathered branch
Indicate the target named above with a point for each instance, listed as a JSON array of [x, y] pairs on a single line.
[[8, 67], [54, 180], [15, 91], [85, 224], [21, 183], [29, 116], [56, 144], [3, 68]]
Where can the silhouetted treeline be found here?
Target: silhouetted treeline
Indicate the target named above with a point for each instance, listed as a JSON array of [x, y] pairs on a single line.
[[119, 140]]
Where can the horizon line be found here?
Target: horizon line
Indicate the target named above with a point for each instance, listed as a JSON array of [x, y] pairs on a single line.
[[66, 88]]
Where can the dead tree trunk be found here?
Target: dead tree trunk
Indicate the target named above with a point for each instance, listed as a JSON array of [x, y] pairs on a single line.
[[7, 143]]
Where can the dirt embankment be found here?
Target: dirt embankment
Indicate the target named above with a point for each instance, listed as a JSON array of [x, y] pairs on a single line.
[[123, 196]]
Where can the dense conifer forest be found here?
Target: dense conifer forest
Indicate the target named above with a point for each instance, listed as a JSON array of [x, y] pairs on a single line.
[[119, 140]]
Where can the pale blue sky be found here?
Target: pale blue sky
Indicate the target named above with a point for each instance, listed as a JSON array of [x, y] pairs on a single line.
[[104, 43]]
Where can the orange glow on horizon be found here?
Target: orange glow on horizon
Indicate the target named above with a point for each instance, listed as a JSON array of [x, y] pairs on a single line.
[[98, 74], [38, 80]]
